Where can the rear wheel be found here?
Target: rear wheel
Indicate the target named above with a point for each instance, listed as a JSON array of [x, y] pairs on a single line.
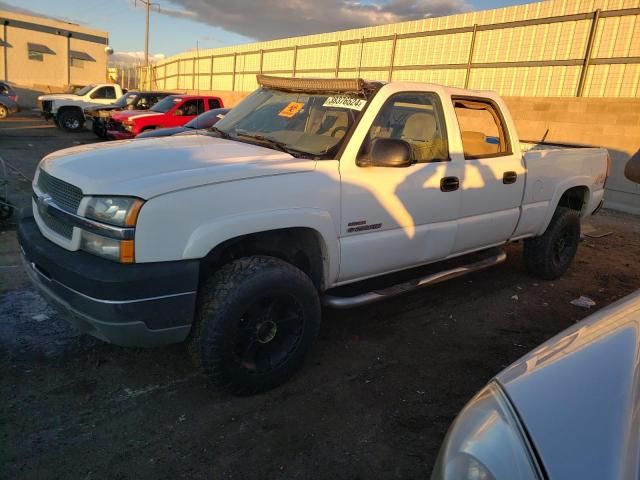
[[550, 255], [71, 120], [257, 319], [4, 112]]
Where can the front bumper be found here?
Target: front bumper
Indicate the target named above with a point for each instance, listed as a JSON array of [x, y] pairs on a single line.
[[119, 135], [143, 304]]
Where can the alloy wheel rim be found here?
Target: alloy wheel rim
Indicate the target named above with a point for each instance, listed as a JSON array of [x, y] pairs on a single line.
[[268, 333]]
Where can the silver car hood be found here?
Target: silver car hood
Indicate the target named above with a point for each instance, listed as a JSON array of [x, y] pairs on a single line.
[[578, 396]]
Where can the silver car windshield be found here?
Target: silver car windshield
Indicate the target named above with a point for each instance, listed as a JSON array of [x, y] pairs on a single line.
[[303, 123]]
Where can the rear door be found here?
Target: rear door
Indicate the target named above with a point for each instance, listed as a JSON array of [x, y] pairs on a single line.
[[494, 175]]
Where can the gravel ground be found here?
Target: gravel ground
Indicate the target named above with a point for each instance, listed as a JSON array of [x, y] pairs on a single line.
[[374, 400]]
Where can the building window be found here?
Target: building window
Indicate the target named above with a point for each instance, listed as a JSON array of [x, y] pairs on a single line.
[[77, 63], [37, 56]]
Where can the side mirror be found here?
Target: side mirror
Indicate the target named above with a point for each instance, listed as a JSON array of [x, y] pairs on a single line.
[[179, 112], [632, 169], [387, 152]]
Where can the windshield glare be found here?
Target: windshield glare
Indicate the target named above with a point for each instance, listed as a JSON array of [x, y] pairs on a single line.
[[313, 124], [84, 90], [166, 104]]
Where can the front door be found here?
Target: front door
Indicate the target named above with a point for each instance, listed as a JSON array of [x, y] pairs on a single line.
[[394, 218]]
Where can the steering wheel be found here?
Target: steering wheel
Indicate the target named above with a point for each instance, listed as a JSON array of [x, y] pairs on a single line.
[[337, 130]]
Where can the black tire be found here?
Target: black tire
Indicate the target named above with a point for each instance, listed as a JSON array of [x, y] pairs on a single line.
[[71, 120], [4, 112], [550, 255], [6, 209], [257, 319], [99, 128]]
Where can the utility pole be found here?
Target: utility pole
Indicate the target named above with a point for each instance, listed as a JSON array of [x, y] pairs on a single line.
[[148, 4]]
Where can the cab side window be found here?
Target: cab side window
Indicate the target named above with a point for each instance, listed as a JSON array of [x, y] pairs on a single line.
[[105, 93], [417, 119], [213, 103], [192, 107], [481, 128]]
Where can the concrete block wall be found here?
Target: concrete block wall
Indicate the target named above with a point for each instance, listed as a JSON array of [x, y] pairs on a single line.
[[613, 123]]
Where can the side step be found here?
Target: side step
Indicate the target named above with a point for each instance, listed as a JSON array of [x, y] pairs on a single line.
[[375, 295]]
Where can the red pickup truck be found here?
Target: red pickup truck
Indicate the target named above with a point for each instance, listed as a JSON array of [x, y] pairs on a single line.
[[172, 111]]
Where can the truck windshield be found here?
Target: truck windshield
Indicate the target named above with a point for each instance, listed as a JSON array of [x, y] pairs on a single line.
[[166, 104], [305, 123], [126, 99], [84, 90]]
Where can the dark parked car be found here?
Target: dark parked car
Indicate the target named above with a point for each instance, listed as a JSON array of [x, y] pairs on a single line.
[[7, 91], [132, 100], [201, 122], [7, 106]]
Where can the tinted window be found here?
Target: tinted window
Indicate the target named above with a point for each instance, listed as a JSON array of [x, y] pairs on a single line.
[[417, 119], [213, 103], [192, 107], [104, 93]]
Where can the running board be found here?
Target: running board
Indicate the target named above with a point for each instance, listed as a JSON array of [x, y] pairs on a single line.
[[376, 295]]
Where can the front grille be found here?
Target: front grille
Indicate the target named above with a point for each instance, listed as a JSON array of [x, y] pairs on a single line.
[[58, 226], [46, 105], [65, 195]]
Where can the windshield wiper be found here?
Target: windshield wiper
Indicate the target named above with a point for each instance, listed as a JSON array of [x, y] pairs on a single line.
[[282, 146], [222, 133]]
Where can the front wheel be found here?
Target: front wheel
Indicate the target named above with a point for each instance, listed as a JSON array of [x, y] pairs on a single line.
[[71, 120], [4, 112], [550, 255], [257, 319]]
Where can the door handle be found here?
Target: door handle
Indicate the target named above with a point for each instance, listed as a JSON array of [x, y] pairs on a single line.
[[509, 177], [449, 184]]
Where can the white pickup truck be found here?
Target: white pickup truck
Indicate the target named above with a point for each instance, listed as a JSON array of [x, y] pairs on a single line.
[[67, 109], [308, 192]]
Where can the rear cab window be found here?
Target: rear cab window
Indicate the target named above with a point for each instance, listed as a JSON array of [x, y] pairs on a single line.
[[482, 128]]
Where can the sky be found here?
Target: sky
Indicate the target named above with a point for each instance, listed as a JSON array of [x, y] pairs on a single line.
[[180, 25]]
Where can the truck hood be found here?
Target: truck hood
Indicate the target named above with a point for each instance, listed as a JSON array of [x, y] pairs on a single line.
[[133, 114], [578, 395], [151, 167], [59, 96]]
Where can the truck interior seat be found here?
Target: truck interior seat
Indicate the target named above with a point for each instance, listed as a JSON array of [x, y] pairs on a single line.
[[475, 143]]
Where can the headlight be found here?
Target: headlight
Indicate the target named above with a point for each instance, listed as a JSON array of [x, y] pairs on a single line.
[[486, 442], [118, 211], [110, 248], [128, 127]]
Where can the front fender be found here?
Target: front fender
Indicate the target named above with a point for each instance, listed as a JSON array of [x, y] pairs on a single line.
[[209, 235]]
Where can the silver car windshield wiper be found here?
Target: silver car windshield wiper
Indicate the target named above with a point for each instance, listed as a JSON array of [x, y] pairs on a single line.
[[222, 133], [282, 146]]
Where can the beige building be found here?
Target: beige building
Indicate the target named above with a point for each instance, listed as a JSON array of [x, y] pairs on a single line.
[[40, 53]]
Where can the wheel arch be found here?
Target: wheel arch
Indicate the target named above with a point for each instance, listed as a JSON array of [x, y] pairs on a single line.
[[574, 194], [310, 233], [302, 247]]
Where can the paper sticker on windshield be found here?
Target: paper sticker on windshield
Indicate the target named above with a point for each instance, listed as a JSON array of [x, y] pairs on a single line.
[[344, 101], [291, 110]]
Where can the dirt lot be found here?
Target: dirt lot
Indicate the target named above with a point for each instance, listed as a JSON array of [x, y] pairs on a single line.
[[373, 401]]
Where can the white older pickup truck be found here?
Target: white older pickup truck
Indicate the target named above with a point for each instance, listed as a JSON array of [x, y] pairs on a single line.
[[310, 191], [67, 109]]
